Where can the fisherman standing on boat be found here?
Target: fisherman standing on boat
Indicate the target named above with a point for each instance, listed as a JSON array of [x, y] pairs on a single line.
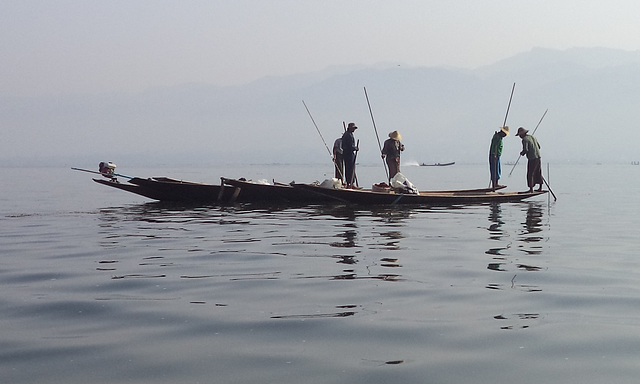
[[391, 151], [531, 149], [349, 149], [495, 151], [338, 159]]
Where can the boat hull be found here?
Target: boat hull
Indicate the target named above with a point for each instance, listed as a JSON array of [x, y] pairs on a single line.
[[243, 191], [229, 191], [430, 198], [249, 191], [437, 164], [165, 189]]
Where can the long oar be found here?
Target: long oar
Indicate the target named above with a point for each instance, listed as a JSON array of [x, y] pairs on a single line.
[[553, 194], [504, 124], [548, 186], [319, 133], [509, 106], [100, 173], [355, 175], [534, 131], [376, 130]]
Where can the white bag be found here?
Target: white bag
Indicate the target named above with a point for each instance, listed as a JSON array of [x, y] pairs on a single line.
[[401, 184], [332, 183]]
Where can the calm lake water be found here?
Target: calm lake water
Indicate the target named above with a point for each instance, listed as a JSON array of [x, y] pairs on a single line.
[[102, 286]]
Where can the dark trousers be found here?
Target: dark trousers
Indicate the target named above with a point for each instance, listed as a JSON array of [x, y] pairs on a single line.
[[534, 172], [349, 169], [394, 166], [339, 167]]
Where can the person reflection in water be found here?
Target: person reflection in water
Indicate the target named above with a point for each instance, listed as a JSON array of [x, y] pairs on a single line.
[[533, 223]]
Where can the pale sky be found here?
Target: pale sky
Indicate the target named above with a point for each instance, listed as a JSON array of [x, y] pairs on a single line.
[[53, 47]]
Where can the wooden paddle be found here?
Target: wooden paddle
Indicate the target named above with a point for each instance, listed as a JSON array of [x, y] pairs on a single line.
[[384, 164], [355, 176], [99, 173], [333, 160], [504, 124]]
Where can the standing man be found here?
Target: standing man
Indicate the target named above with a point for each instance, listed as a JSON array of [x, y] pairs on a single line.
[[338, 159], [349, 149], [495, 151], [391, 151], [531, 149]]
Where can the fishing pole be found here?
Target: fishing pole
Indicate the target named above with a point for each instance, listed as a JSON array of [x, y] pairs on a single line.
[[534, 131], [333, 160], [376, 130]]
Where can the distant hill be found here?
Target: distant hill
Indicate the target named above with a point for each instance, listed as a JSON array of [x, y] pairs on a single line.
[[444, 114]]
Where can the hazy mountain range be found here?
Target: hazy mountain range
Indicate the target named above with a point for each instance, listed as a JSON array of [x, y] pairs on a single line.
[[444, 114]]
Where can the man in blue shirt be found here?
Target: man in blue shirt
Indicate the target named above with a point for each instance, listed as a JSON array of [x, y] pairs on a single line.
[[495, 151]]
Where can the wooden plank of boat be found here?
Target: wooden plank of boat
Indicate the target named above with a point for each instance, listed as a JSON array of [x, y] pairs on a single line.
[[229, 191], [260, 192], [461, 191], [437, 192], [165, 189], [133, 188], [368, 197]]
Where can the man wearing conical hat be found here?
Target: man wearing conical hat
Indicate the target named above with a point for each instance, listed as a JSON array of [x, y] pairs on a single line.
[[531, 149], [391, 152], [495, 151]]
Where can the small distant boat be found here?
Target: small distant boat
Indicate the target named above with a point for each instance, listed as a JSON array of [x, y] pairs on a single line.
[[437, 164]]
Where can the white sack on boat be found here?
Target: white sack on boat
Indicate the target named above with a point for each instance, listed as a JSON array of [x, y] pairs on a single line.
[[400, 183], [332, 183]]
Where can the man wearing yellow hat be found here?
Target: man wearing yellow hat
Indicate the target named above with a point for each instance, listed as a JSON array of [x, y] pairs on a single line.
[[531, 149], [391, 152], [495, 151]]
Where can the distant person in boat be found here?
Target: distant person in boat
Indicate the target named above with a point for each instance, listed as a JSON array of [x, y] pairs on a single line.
[[495, 151], [338, 159], [531, 149], [349, 150], [391, 152]]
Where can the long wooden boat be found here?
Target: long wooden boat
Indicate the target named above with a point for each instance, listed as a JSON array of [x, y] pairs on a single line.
[[244, 191], [429, 198], [437, 164]]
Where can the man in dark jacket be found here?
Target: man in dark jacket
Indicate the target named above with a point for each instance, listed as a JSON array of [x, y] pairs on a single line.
[[391, 152], [531, 149], [349, 150]]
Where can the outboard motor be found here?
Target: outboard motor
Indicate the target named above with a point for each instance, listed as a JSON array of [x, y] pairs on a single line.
[[107, 169]]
